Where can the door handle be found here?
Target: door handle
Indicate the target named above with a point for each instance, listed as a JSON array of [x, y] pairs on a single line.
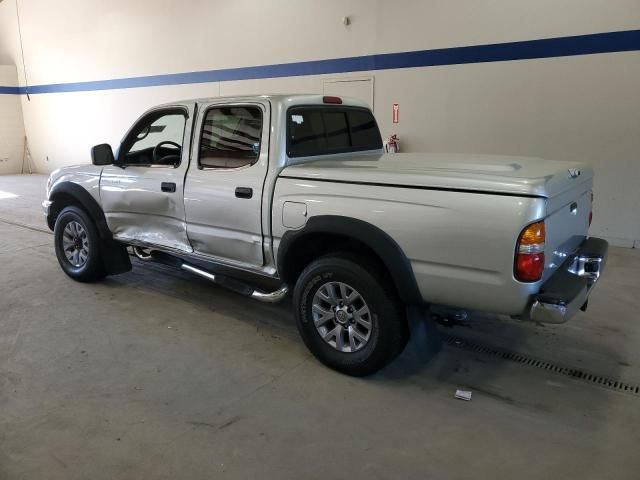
[[244, 192], [168, 187]]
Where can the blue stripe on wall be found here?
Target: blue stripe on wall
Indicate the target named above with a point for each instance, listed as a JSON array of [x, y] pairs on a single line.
[[608, 42], [10, 90]]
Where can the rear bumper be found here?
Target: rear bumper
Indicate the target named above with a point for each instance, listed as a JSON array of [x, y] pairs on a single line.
[[568, 289]]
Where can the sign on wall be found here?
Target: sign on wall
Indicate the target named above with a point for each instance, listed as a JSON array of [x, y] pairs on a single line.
[[396, 113]]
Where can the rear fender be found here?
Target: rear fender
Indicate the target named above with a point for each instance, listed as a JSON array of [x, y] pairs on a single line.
[[378, 241]]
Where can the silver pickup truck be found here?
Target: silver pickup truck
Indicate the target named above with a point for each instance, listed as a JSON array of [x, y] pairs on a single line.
[[267, 194]]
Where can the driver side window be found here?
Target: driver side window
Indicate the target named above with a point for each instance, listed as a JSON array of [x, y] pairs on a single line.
[[156, 140]]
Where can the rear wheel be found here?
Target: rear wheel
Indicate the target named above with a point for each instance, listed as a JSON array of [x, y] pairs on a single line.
[[77, 245], [348, 315]]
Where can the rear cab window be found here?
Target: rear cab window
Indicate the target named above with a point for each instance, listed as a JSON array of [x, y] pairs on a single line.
[[325, 130]]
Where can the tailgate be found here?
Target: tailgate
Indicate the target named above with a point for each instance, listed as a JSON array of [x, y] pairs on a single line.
[[566, 224]]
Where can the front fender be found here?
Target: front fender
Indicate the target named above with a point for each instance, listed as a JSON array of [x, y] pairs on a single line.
[[65, 193]]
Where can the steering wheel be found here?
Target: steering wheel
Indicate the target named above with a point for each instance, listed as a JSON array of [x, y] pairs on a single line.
[[157, 160]]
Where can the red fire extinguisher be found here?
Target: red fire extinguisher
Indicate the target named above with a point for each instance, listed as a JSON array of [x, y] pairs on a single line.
[[392, 144]]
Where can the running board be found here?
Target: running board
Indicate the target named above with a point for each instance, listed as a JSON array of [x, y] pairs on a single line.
[[225, 281]]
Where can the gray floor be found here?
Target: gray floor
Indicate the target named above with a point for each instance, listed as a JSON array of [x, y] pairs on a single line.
[[156, 374]]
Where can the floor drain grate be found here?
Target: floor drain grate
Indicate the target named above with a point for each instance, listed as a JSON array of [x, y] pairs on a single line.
[[591, 378]]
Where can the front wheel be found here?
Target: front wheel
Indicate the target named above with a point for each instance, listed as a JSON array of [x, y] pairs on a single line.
[[348, 315], [77, 245]]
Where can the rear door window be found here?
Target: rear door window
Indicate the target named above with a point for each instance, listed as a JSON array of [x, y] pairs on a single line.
[[319, 130], [230, 137]]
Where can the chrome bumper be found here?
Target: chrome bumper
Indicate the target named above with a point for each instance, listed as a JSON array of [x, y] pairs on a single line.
[[568, 289]]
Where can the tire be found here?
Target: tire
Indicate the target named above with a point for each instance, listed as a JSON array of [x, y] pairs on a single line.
[[75, 231], [316, 316]]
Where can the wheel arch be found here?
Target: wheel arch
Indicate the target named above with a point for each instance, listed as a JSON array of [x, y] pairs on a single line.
[[327, 233], [69, 193], [115, 257]]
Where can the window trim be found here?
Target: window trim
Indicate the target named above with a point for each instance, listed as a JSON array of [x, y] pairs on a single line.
[[343, 108], [162, 111], [206, 111]]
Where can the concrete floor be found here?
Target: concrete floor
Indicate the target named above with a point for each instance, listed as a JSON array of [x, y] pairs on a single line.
[[157, 374]]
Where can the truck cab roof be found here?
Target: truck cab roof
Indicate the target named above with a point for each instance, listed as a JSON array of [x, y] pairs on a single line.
[[282, 99]]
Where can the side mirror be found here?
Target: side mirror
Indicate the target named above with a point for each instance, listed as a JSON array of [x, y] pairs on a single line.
[[102, 155]]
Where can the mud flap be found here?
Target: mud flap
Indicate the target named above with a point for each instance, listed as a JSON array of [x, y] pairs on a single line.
[[584, 306], [115, 257]]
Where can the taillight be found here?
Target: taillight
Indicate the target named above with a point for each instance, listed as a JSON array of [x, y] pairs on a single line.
[[529, 263]]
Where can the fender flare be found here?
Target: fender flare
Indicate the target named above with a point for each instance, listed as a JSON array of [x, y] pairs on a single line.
[[385, 247], [86, 201], [115, 257]]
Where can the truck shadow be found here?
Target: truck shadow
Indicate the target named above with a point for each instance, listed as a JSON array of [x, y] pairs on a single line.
[[555, 349], [430, 352]]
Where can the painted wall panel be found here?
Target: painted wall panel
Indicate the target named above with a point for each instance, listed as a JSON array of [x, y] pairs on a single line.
[[11, 125]]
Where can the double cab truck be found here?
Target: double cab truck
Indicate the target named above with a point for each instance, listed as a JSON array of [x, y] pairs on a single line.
[[271, 195]]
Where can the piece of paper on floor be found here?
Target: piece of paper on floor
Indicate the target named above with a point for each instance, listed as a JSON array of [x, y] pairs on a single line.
[[463, 395]]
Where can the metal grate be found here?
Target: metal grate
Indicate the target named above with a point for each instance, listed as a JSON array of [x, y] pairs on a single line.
[[574, 373]]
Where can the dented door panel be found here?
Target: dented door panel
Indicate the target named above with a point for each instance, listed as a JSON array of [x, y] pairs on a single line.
[[139, 209]]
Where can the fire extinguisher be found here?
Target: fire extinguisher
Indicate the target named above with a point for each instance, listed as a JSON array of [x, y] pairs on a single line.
[[392, 144]]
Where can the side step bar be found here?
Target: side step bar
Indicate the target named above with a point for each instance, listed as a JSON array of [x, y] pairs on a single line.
[[225, 281], [238, 286]]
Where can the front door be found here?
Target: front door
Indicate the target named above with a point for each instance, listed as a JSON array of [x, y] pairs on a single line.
[[142, 195], [223, 191]]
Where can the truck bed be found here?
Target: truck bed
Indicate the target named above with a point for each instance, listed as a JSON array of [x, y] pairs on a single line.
[[525, 176], [456, 217]]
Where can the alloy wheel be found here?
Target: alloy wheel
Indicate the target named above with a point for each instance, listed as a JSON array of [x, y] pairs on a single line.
[[341, 317]]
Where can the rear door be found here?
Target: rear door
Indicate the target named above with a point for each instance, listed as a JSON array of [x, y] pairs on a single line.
[[223, 190], [142, 196]]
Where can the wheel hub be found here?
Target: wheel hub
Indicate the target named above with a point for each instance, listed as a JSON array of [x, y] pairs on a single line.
[[75, 243], [341, 317]]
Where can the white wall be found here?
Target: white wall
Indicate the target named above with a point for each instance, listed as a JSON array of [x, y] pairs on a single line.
[[11, 124], [582, 107], [8, 33]]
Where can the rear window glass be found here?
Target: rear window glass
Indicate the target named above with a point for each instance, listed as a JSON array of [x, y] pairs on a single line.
[[337, 130], [326, 130]]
